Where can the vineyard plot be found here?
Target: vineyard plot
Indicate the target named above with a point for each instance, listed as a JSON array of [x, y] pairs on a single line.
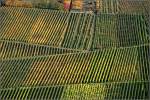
[[80, 31], [12, 49], [120, 30], [100, 91], [112, 65], [122, 6], [30, 25], [50, 54]]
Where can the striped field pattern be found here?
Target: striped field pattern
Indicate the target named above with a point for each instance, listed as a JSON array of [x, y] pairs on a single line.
[[120, 30], [124, 69], [12, 49], [95, 91], [73, 30], [32, 25], [56, 55], [123, 6], [110, 65]]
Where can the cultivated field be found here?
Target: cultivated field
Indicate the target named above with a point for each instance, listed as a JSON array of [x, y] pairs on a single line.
[[59, 55]]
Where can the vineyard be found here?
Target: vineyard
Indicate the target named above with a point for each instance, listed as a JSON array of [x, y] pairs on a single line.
[[108, 66], [12, 49], [123, 6], [80, 31], [50, 54]]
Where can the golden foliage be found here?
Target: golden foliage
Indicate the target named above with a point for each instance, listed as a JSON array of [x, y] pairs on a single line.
[[18, 3]]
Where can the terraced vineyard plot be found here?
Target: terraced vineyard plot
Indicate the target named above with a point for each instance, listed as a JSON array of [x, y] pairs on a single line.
[[11, 50], [103, 91], [134, 30], [144, 60], [112, 65], [120, 30], [73, 30], [32, 25], [41, 93], [122, 90], [79, 34], [134, 6], [108, 6], [105, 31], [54, 55], [123, 6], [54, 28]]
